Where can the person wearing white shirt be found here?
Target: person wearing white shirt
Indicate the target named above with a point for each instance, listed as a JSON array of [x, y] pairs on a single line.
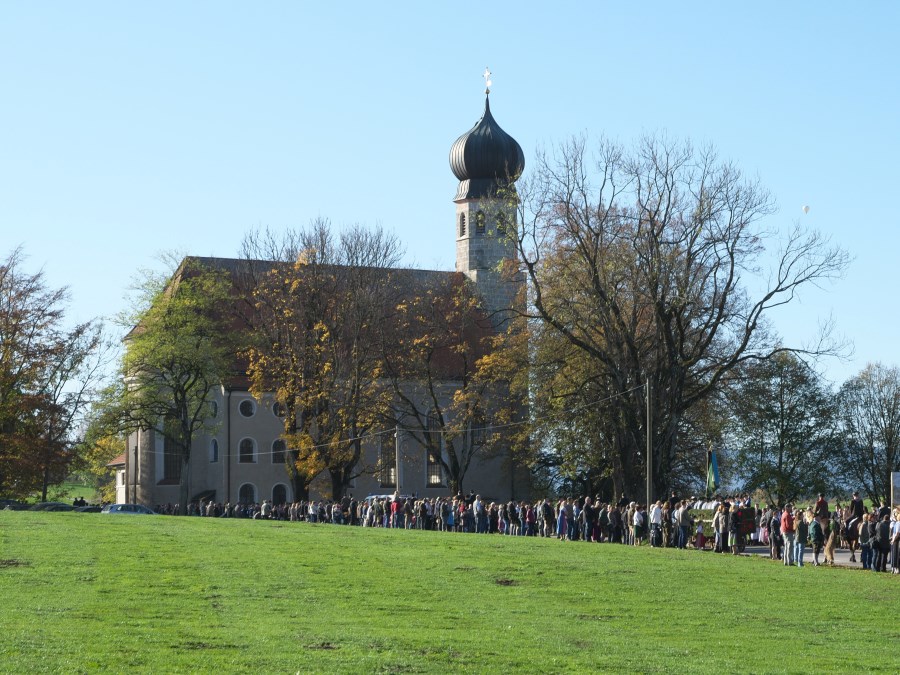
[[656, 524], [638, 521]]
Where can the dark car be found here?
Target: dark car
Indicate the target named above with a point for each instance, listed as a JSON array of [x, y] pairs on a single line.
[[52, 506], [88, 509], [12, 505]]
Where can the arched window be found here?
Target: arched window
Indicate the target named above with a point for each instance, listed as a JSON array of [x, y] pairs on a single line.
[[479, 222], [501, 223], [247, 451], [247, 407], [387, 461], [247, 494], [214, 408], [278, 448], [279, 494], [462, 224], [433, 469], [213, 451]]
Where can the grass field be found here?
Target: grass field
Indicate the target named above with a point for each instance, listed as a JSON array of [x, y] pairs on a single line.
[[66, 492], [90, 592]]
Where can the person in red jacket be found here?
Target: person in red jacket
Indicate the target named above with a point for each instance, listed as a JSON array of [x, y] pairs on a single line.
[[787, 531]]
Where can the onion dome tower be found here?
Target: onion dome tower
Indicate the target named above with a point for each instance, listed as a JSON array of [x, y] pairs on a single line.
[[487, 162]]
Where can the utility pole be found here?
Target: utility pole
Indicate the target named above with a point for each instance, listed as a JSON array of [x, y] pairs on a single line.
[[647, 390], [397, 457]]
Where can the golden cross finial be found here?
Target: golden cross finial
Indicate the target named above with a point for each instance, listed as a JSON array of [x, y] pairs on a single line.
[[487, 80]]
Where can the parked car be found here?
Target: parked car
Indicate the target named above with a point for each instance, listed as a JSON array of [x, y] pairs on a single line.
[[12, 505], [88, 509], [128, 509], [52, 506]]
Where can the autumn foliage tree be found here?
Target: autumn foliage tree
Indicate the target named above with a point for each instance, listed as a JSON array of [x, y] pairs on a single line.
[[47, 375], [317, 305], [97, 450], [452, 375]]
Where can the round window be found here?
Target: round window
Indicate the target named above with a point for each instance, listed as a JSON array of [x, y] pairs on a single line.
[[279, 409], [247, 408]]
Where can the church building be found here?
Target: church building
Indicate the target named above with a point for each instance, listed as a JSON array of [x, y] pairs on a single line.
[[242, 459]]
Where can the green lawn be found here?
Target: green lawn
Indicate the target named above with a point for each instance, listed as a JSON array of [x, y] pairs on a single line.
[[66, 492], [90, 592]]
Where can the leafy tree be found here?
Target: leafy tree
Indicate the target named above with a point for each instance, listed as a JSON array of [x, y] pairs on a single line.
[[784, 431], [870, 418], [316, 311], [639, 260], [179, 349], [47, 375]]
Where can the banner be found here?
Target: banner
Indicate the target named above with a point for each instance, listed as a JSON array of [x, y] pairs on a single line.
[[712, 472]]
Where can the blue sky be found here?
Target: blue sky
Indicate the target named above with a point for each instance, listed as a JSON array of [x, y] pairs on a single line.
[[131, 128]]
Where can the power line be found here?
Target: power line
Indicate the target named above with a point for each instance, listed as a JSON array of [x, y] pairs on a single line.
[[451, 430]]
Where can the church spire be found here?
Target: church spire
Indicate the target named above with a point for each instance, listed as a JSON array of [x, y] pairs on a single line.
[[486, 160]]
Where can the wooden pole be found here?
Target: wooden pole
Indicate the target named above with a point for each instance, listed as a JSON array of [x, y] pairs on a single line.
[[647, 390], [397, 457]]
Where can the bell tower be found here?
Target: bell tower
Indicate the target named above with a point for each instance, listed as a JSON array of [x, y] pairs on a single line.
[[487, 162]]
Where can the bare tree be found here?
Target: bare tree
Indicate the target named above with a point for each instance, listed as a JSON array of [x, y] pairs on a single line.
[[641, 261], [431, 350]]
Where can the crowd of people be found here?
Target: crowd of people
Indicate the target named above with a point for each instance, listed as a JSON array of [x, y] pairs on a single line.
[[790, 530], [723, 524]]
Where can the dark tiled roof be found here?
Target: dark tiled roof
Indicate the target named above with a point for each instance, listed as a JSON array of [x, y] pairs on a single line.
[[486, 159]]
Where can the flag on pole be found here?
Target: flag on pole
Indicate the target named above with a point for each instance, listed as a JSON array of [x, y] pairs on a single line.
[[712, 472]]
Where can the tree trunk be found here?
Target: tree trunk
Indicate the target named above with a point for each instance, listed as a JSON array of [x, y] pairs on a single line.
[[184, 485], [455, 486], [300, 488], [337, 484], [46, 481]]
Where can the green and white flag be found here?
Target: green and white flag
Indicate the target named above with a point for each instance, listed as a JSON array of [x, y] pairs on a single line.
[[712, 472]]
